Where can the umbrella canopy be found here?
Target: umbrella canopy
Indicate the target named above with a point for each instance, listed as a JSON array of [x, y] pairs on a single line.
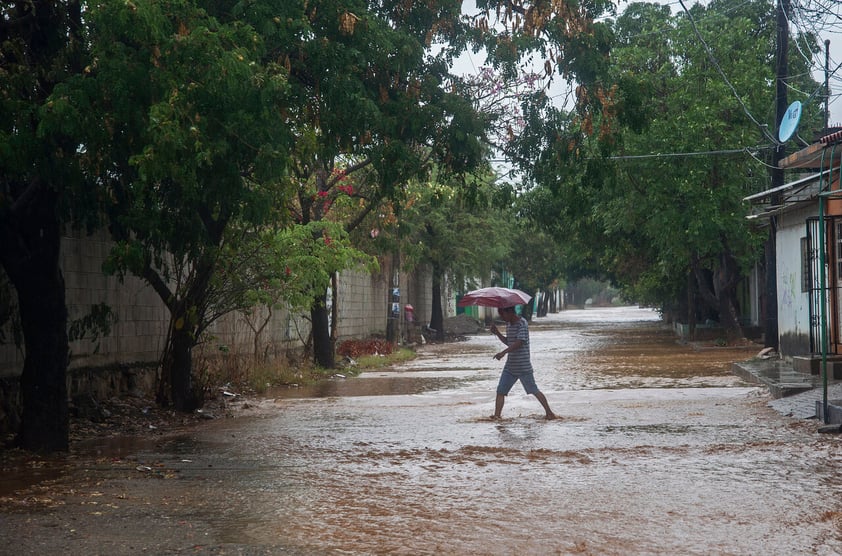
[[495, 297]]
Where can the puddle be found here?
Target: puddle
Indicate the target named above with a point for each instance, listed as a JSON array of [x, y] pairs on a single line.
[[389, 385]]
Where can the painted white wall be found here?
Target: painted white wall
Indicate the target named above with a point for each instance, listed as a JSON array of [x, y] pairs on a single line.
[[793, 304]]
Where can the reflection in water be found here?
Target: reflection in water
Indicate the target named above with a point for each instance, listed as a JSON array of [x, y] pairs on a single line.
[[15, 477], [367, 386]]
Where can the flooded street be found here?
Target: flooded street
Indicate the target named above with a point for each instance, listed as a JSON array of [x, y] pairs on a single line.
[[658, 449]]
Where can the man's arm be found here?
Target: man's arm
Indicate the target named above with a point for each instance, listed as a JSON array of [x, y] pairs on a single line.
[[496, 332], [514, 346]]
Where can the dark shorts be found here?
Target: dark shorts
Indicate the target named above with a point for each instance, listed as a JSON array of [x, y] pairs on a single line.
[[507, 380]]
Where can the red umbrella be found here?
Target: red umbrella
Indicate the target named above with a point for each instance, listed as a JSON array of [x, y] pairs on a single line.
[[495, 297]]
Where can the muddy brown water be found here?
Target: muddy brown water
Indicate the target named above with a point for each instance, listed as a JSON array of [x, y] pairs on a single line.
[[659, 449]]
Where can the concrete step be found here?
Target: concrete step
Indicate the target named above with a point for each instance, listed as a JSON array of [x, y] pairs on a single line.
[[780, 377]]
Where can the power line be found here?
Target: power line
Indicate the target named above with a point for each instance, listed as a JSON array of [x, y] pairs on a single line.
[[809, 18], [744, 150]]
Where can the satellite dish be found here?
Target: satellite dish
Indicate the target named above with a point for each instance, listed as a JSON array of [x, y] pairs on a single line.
[[789, 123]]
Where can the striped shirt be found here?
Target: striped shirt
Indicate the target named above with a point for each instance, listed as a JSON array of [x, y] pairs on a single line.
[[518, 361]]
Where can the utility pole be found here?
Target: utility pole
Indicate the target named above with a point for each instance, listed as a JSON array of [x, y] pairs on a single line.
[[777, 175], [827, 84]]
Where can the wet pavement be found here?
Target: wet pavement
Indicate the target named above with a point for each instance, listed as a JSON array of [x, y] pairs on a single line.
[[659, 449]]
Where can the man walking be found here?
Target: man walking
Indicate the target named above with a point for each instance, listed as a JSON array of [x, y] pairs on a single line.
[[518, 362]]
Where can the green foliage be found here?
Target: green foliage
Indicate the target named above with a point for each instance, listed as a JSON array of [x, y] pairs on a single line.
[[185, 136], [646, 222], [373, 362], [178, 115], [689, 210], [288, 267], [536, 260], [455, 228], [40, 47], [368, 107]]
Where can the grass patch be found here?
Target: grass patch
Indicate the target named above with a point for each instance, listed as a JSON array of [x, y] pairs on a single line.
[[374, 361], [265, 376], [249, 376]]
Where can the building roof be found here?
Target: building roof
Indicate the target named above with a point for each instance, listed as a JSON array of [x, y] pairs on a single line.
[[824, 153], [821, 156], [787, 196]]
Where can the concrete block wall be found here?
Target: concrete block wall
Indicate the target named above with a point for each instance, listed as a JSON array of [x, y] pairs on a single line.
[[137, 338], [363, 304], [142, 319], [234, 333]]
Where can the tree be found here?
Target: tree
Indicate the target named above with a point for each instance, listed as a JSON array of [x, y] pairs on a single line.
[[456, 230], [286, 268], [366, 96], [536, 263], [187, 135], [703, 99], [652, 222], [42, 187]]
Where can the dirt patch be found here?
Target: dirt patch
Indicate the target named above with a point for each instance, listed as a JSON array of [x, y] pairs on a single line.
[[126, 419]]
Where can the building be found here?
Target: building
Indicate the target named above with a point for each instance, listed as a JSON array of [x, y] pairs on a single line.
[[806, 217]]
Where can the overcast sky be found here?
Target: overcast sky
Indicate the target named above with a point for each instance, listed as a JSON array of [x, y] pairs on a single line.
[[831, 31]]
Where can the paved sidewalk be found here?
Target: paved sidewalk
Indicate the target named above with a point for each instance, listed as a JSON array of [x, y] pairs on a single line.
[[795, 394], [803, 405]]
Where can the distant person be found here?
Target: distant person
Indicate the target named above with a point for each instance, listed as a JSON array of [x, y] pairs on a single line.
[[518, 363], [409, 318]]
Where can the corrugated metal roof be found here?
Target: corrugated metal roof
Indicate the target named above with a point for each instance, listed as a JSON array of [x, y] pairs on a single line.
[[786, 197], [787, 187], [831, 138]]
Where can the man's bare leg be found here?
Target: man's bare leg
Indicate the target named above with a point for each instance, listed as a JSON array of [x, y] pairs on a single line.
[[498, 406], [543, 399]]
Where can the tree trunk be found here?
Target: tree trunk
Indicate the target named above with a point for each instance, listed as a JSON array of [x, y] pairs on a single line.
[[526, 309], [436, 313], [41, 33], [720, 295], [30, 243], [729, 319], [320, 322], [725, 281], [691, 307], [187, 321], [543, 303], [44, 423], [334, 309], [182, 391]]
